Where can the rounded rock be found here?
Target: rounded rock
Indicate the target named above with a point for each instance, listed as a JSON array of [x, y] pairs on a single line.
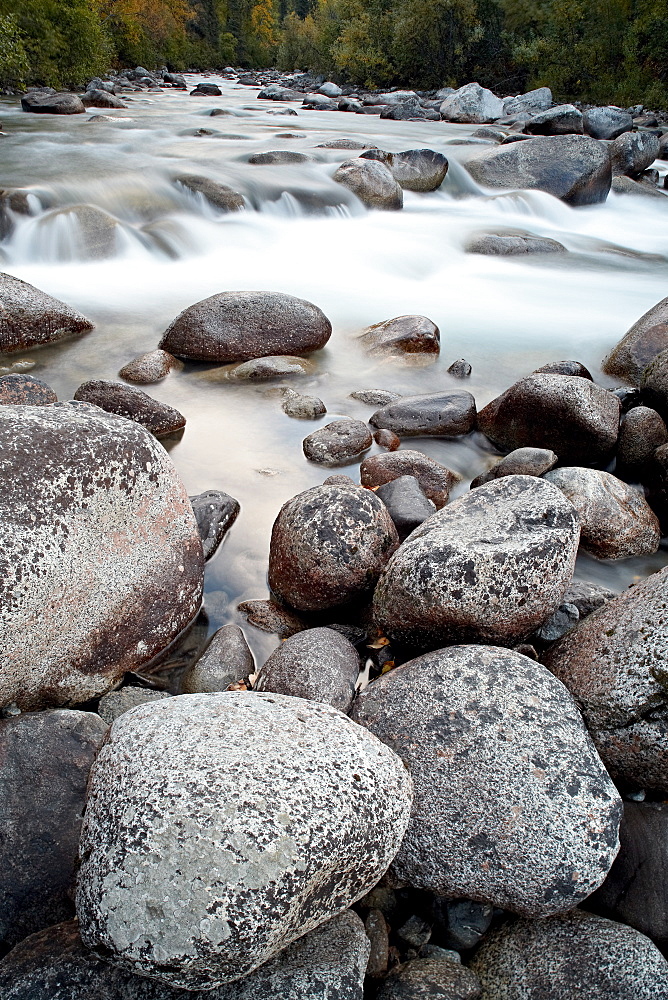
[[372, 182], [226, 660], [25, 390], [318, 664], [149, 368], [133, 404], [338, 443], [430, 978], [439, 414], [403, 335], [435, 479], [30, 317], [639, 345], [521, 462]]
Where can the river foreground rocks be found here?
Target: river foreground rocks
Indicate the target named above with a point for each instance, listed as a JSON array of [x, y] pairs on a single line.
[[513, 806], [196, 868], [647, 337], [490, 567], [79, 606], [30, 317]]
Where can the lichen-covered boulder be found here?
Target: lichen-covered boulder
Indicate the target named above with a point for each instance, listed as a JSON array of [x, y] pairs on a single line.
[[490, 567], [196, 868], [319, 664], [30, 317], [101, 562]]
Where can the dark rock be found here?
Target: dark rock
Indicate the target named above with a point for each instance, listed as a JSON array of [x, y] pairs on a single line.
[[557, 625], [564, 119], [215, 513], [654, 383], [625, 185], [507, 246], [302, 407], [641, 433], [285, 111], [226, 660], [387, 439], [328, 546], [42, 103], [125, 401], [318, 663], [408, 111], [150, 368], [371, 182], [571, 167], [430, 977], [219, 195], [521, 462], [377, 933], [472, 103], [460, 369], [101, 99], [435, 479], [26, 391], [403, 335], [564, 368], [239, 326], [633, 152], [606, 123], [176, 80], [30, 317], [318, 102], [407, 503], [46, 757], [117, 703], [566, 414], [629, 398], [440, 414], [269, 617], [419, 169], [587, 597], [639, 345], [206, 90], [478, 727], [280, 156], [338, 443], [463, 922]]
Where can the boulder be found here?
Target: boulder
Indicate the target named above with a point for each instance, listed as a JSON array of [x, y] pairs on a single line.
[[625, 185], [513, 246], [654, 383], [274, 92], [42, 103], [568, 956], [639, 345], [101, 99], [330, 89], [126, 401], [46, 757], [264, 369], [25, 390], [391, 97], [521, 462], [226, 660], [328, 546], [532, 102], [472, 103], [338, 443], [149, 368], [407, 503], [606, 123], [116, 703], [419, 169], [566, 414], [375, 397], [439, 414], [222, 197], [480, 727], [409, 111], [176, 80], [280, 156], [641, 433], [215, 513], [633, 152], [206, 90], [318, 102], [372, 182], [571, 167], [30, 317], [239, 326], [80, 606], [318, 663], [430, 977], [403, 335], [616, 521], [615, 665], [491, 567], [172, 796], [435, 479], [564, 368], [564, 119]]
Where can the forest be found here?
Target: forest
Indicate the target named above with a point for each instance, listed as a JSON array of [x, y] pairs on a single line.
[[601, 52]]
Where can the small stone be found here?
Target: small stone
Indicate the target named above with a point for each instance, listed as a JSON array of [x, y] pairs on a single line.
[[407, 503], [377, 933], [375, 397], [265, 369], [226, 660], [521, 462], [435, 480], [215, 513], [565, 368], [115, 703], [387, 439], [150, 368], [319, 664], [587, 597], [460, 369], [558, 624], [125, 401], [402, 335], [269, 617], [463, 922], [338, 443], [415, 931], [302, 407]]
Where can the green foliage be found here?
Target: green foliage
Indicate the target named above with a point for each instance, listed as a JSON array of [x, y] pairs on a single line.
[[13, 59]]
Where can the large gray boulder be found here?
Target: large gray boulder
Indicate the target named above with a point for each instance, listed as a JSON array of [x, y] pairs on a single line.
[[571, 167], [43, 103], [319, 664], [654, 383], [639, 345], [532, 102], [567, 414], [472, 103], [195, 868], [633, 152], [30, 317], [564, 119], [418, 169], [92, 233], [79, 605], [490, 567], [435, 480], [239, 326], [439, 414], [101, 99], [372, 182], [46, 758], [328, 546], [513, 806], [615, 664], [570, 956], [606, 123]]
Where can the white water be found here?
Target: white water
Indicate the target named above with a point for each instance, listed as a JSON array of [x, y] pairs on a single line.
[[505, 316]]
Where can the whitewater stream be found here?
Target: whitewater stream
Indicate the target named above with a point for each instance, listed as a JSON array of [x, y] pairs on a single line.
[[306, 235]]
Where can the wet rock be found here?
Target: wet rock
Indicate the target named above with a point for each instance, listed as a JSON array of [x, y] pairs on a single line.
[[576, 954], [265, 369], [176, 80], [150, 368], [101, 99], [286, 111], [460, 369], [587, 597], [125, 401], [615, 519], [493, 134], [430, 977], [25, 390], [435, 479], [226, 660], [625, 185], [408, 111], [606, 123], [571, 167], [462, 922], [564, 368], [521, 462], [532, 102], [375, 397], [511, 246], [318, 663], [566, 414], [215, 513], [372, 183], [633, 152], [274, 92], [564, 119], [94, 232], [46, 757], [641, 433], [116, 703], [210, 909], [328, 546], [439, 414], [472, 103], [635, 891], [345, 144], [81, 606], [302, 407], [639, 345], [42, 103], [387, 439], [491, 567], [240, 326], [318, 102], [330, 89], [478, 727], [30, 317], [407, 503], [206, 90], [614, 664], [654, 384], [269, 617], [403, 335], [338, 443], [376, 930], [558, 624], [280, 156], [419, 169], [219, 195]]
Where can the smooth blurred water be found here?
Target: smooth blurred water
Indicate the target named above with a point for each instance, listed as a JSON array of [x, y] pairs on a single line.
[[303, 234]]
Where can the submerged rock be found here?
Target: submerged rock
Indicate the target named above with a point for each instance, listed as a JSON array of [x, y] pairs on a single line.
[[149, 368], [30, 317], [338, 443], [93, 232], [219, 195], [512, 246]]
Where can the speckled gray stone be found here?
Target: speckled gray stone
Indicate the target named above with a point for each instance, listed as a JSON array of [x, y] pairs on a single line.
[[647, 337], [100, 560], [318, 663], [133, 404], [587, 597], [570, 957], [430, 979], [490, 567], [372, 182], [521, 462], [46, 757], [150, 368], [25, 390], [403, 335], [225, 660], [641, 433], [221, 827], [435, 479], [615, 519], [328, 546], [633, 152], [115, 703], [438, 414], [302, 407], [615, 663], [512, 804], [30, 317], [338, 443], [326, 964]]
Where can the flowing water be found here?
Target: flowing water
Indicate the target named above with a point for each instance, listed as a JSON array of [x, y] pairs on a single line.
[[306, 235]]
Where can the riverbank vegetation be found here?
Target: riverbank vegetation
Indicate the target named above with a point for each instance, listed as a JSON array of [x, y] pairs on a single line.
[[614, 51]]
